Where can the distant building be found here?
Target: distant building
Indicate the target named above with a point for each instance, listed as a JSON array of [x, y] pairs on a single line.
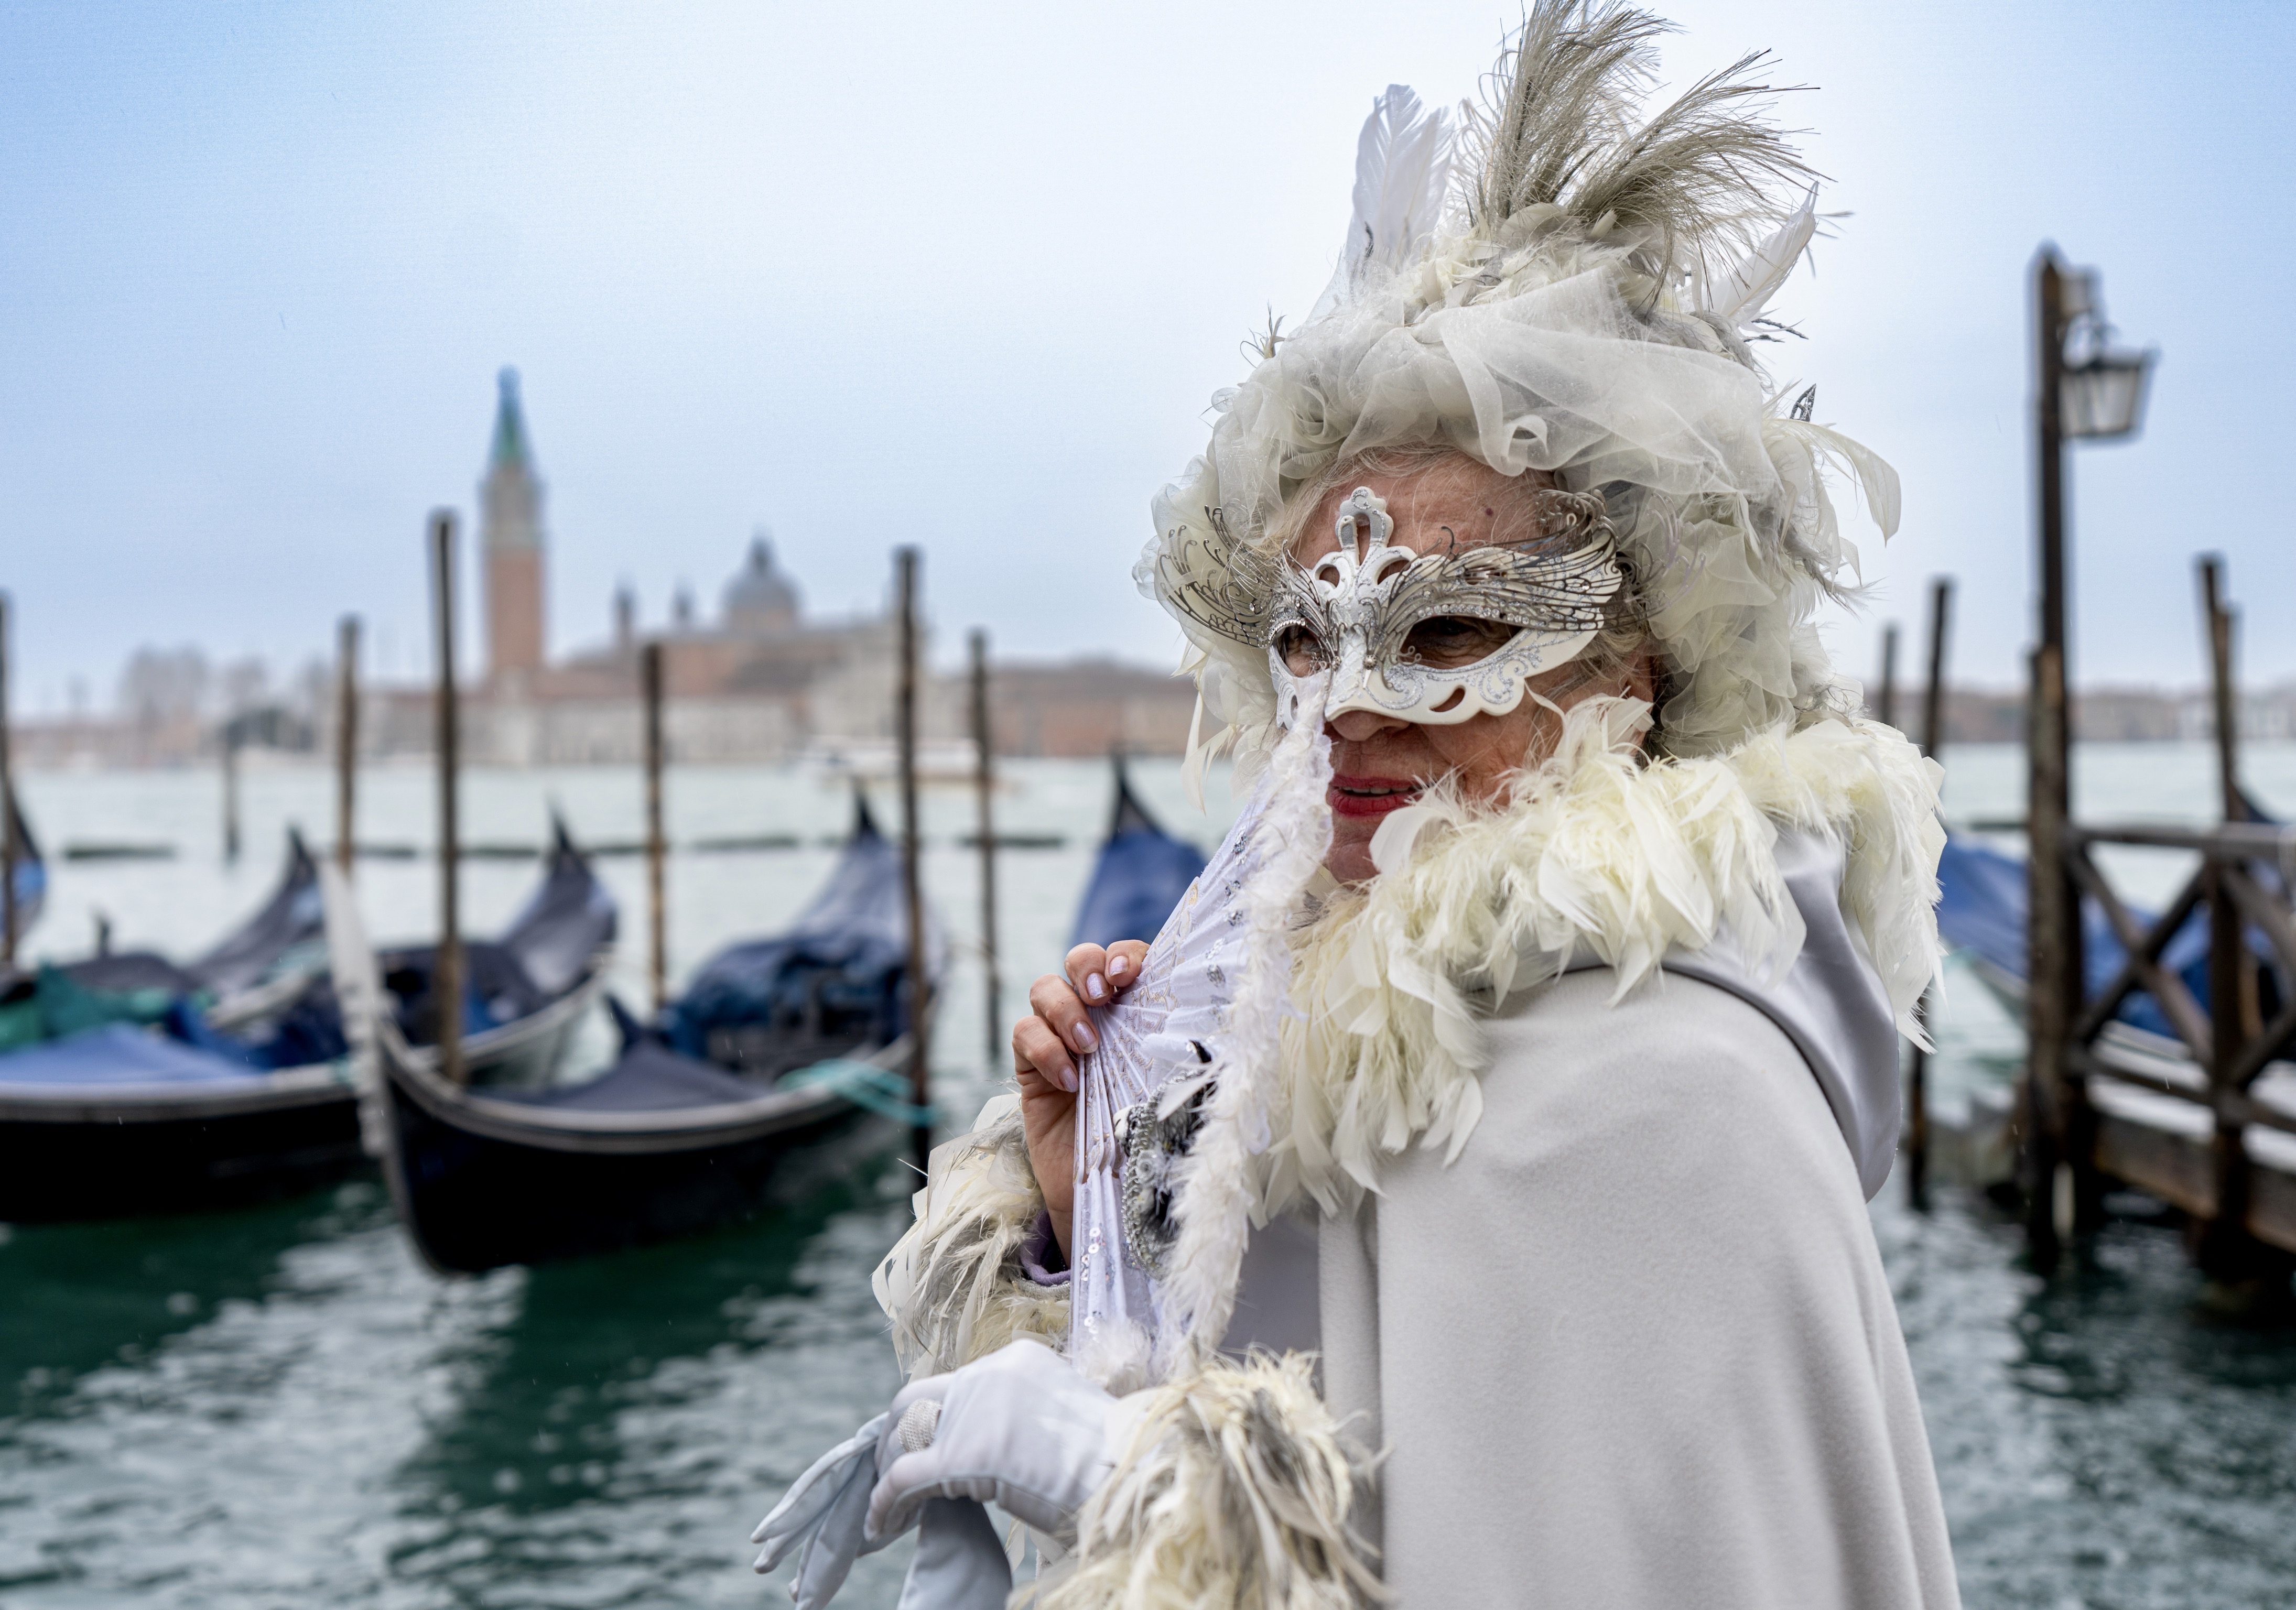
[[759, 682], [511, 536]]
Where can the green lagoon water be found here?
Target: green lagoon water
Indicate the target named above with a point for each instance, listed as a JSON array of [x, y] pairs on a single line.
[[280, 1408]]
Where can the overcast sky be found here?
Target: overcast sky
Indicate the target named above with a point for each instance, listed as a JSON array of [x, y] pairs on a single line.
[[966, 275]]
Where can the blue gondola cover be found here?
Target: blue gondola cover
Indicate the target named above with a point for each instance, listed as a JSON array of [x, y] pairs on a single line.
[[1142, 873], [1981, 909]]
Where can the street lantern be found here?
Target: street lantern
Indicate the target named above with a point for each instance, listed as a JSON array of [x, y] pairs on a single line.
[[2102, 395]]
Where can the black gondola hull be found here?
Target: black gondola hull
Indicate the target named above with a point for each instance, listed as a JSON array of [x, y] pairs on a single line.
[[59, 1162], [479, 1197]]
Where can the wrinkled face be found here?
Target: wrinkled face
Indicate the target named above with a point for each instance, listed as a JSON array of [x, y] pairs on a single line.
[[1382, 762]]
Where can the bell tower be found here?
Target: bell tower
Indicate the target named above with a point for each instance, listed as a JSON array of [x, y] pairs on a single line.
[[509, 503]]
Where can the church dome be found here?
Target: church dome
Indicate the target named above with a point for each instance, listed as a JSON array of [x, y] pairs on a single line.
[[760, 597]]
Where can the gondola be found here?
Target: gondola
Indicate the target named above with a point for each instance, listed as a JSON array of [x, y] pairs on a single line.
[[168, 1107], [805, 1028], [253, 972], [31, 878], [1141, 874]]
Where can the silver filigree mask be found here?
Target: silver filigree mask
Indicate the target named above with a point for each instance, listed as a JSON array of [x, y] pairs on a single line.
[[1437, 637]]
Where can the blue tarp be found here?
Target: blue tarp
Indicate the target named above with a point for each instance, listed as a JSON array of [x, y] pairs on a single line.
[[843, 959], [1140, 877], [1142, 873], [120, 1054], [1981, 909]]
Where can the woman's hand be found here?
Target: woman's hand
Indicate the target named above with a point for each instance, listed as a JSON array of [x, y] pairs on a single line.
[[1044, 1049]]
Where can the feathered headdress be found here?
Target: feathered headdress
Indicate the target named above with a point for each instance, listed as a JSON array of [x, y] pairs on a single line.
[[1561, 279]]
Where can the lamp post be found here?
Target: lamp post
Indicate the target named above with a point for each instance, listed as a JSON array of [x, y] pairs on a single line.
[[2084, 390]]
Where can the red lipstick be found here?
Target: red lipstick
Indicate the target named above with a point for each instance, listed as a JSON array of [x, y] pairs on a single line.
[[1371, 796]]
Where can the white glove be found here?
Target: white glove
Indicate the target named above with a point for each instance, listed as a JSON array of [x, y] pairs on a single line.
[[1020, 1429], [959, 1564], [826, 1511]]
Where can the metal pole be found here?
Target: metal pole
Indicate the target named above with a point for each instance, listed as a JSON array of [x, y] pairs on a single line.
[[983, 783], [347, 652], [1918, 1079], [1887, 710], [9, 849], [920, 1001], [2223, 1244], [230, 736], [656, 908], [447, 967], [2053, 974]]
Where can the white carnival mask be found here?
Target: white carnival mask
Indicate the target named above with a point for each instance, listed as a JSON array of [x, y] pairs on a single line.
[[1400, 631]]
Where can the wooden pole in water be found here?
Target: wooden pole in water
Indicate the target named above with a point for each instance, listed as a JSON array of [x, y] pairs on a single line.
[[230, 740], [656, 849], [2224, 1247], [447, 967], [920, 1001], [983, 783], [2053, 973], [9, 848], [1917, 1079], [347, 649], [1887, 711]]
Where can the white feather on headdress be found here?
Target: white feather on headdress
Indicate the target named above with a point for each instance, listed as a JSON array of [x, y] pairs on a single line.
[[1743, 290], [1403, 177]]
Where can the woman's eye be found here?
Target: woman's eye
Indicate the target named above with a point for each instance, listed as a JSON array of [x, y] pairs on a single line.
[[1301, 653], [1454, 639]]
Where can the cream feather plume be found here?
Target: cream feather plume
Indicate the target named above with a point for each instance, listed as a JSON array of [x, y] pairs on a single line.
[[1564, 137]]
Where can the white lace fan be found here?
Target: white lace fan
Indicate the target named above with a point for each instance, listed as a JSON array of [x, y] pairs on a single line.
[[1147, 1090]]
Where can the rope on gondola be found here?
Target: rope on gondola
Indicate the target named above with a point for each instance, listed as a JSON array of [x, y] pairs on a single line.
[[879, 1089]]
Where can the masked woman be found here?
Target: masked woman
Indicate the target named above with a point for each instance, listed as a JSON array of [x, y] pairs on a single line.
[[1461, 1202]]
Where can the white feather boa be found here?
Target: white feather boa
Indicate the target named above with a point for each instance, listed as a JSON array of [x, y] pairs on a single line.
[[1600, 851]]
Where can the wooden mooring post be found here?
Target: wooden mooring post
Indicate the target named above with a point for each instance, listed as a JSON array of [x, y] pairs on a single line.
[[227, 736], [1886, 711], [657, 846], [446, 963], [1917, 1073], [2051, 1117], [920, 987], [10, 850], [984, 784], [2222, 1244], [347, 704]]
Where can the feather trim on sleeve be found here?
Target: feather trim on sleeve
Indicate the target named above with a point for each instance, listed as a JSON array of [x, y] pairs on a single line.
[[954, 1287], [1235, 1489]]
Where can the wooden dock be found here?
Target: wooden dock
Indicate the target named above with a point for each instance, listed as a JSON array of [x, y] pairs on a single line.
[[2205, 1120]]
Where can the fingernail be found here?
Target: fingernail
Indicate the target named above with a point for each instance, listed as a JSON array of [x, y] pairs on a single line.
[[1095, 987], [1069, 1080], [1118, 965], [1087, 1041], [759, 1564]]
